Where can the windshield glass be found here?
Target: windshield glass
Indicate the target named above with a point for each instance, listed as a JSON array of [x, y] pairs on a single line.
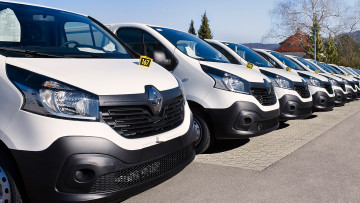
[[308, 64], [52, 32], [192, 46], [323, 66], [285, 60], [249, 55], [335, 69]]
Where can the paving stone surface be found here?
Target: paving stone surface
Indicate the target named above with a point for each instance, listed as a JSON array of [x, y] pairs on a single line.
[[263, 151]]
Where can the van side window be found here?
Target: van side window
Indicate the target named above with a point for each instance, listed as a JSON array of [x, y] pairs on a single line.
[[274, 63], [225, 53], [133, 38]]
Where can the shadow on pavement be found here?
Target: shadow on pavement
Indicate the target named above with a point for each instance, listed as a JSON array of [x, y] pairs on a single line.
[[226, 145], [311, 117], [283, 125]]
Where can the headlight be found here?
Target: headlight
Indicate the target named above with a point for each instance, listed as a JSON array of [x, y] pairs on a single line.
[[333, 82], [49, 97], [279, 81], [313, 81], [181, 85], [227, 81], [346, 82]]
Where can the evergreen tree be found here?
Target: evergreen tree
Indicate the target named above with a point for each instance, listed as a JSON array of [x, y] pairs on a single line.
[[320, 52], [191, 28], [204, 32], [331, 51]]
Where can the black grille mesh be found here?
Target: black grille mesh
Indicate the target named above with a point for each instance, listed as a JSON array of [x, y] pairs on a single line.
[[263, 96], [139, 174], [139, 121], [302, 90], [329, 88], [264, 125]]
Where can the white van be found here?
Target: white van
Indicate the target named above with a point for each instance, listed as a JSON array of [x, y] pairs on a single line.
[[353, 76], [228, 102], [320, 87], [80, 119], [292, 90], [336, 82], [353, 90]]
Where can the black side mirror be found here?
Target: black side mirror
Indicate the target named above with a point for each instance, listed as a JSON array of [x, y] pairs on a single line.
[[160, 58]]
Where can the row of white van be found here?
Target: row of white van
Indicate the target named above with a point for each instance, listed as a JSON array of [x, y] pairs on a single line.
[[83, 119]]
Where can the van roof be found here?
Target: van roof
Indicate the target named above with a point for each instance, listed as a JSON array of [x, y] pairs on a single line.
[[28, 4]]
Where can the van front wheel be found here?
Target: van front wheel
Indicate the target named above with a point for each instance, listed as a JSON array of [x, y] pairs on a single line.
[[203, 136], [9, 193]]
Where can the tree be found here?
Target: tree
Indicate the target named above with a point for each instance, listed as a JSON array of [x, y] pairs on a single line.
[[191, 28], [333, 16], [348, 50], [309, 47], [204, 32], [331, 52]]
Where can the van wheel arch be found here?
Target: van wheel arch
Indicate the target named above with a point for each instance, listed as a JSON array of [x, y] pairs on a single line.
[[204, 128], [6, 157]]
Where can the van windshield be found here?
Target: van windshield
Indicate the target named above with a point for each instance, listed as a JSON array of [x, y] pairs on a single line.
[[309, 64], [40, 32], [191, 45], [249, 55], [285, 60]]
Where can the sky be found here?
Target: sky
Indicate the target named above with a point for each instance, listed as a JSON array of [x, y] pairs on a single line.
[[243, 21]]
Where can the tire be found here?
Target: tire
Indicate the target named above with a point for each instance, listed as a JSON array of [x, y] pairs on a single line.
[[9, 192], [203, 129]]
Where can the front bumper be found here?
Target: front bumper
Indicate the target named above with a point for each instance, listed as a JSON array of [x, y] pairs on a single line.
[[291, 107], [322, 101], [351, 96], [78, 168], [340, 98], [242, 120]]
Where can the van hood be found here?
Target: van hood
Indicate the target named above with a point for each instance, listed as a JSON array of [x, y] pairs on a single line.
[[334, 77], [284, 73], [317, 76], [100, 76], [238, 70]]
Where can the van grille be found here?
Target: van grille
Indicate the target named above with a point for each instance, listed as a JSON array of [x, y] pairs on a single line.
[[302, 91], [263, 96], [139, 174], [329, 88], [139, 121]]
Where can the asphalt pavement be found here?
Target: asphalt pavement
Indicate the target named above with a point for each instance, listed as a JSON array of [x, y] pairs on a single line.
[[324, 169]]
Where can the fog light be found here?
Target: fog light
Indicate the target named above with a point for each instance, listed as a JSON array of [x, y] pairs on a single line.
[[84, 175]]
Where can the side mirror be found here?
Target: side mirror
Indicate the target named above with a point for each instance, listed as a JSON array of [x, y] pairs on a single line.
[[160, 58]]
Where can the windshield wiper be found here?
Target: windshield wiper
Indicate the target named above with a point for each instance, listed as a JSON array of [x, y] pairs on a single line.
[[28, 52], [83, 56]]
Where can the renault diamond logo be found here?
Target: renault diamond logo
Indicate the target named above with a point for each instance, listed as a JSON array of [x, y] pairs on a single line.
[[155, 99], [268, 87]]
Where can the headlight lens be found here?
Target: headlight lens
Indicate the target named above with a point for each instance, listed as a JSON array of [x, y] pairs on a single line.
[[333, 82], [228, 81], [313, 81], [49, 97], [279, 81]]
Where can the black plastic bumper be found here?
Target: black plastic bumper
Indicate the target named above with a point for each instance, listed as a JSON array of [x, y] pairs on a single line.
[[322, 101], [340, 98], [77, 169], [242, 120], [292, 107], [351, 96]]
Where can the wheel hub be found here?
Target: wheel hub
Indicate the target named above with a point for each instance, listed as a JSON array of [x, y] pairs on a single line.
[[5, 192], [198, 132]]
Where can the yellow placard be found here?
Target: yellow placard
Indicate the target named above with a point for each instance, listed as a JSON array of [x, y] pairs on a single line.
[[288, 69], [332, 73], [316, 71], [358, 75], [344, 74], [249, 65], [348, 75], [145, 61]]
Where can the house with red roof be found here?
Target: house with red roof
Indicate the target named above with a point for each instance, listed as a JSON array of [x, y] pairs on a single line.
[[294, 45]]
